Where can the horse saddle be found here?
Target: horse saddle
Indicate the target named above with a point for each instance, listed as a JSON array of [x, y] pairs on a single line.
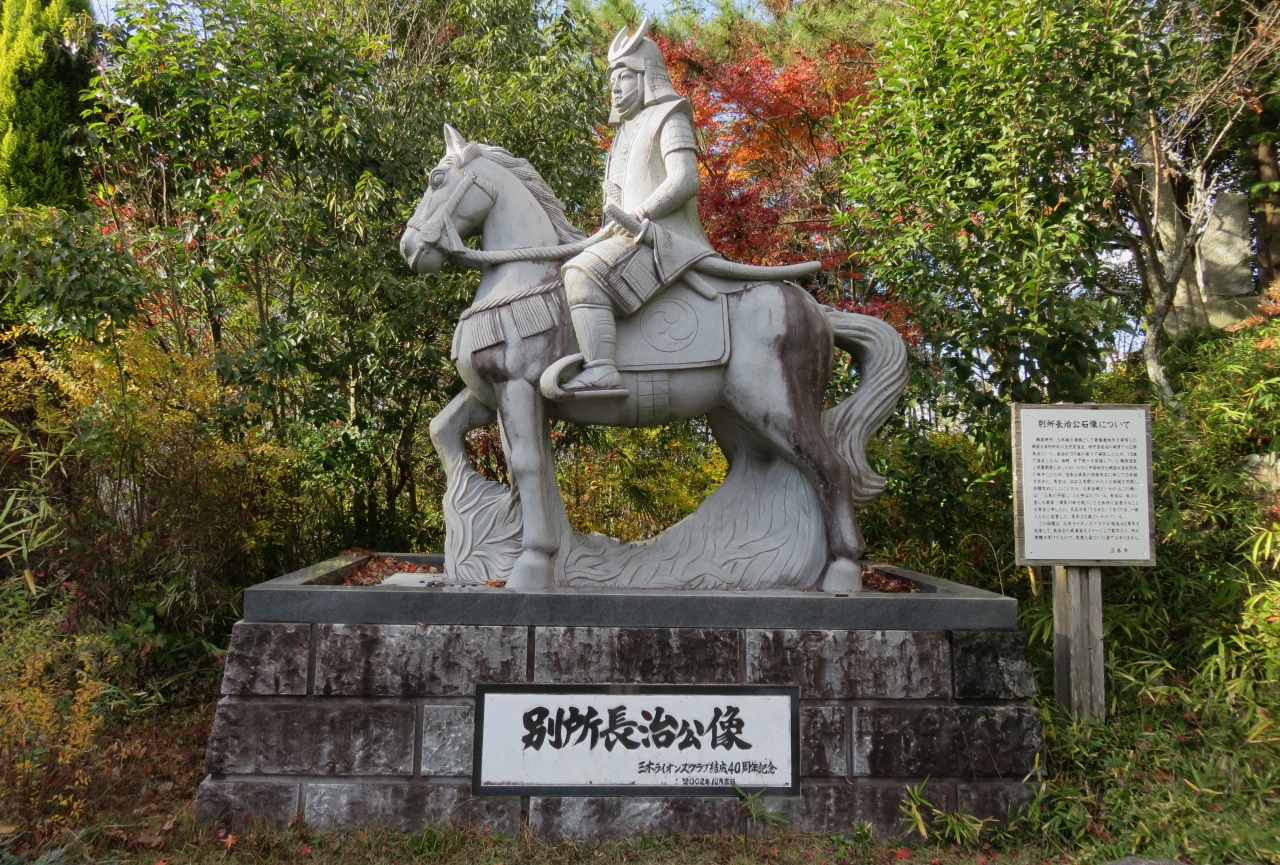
[[677, 329]]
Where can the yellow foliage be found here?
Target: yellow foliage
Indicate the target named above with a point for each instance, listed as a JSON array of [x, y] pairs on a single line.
[[633, 483], [167, 424], [172, 494], [51, 682]]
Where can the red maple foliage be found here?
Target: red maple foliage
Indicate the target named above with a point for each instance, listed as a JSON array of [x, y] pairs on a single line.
[[770, 163], [768, 155]]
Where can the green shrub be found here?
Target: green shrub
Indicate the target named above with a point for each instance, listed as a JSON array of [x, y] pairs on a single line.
[[42, 71]]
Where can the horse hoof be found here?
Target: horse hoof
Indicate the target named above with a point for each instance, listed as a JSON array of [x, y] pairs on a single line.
[[843, 577], [532, 572]]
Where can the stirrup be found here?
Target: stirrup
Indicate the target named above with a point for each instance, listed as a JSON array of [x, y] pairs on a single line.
[[549, 384]]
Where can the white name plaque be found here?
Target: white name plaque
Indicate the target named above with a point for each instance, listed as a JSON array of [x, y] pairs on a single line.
[[1082, 484], [536, 740]]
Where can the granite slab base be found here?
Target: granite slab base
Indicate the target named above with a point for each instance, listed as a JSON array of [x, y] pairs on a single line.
[[315, 594], [354, 723]]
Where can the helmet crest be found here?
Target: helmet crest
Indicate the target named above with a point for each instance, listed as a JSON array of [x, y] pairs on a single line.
[[624, 44]]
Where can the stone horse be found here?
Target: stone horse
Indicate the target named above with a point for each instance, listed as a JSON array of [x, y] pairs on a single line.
[[763, 396]]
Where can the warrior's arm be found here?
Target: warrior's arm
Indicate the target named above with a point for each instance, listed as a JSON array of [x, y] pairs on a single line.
[[680, 158], [681, 185]]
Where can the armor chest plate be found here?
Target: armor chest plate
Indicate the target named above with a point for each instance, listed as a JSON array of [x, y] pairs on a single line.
[[635, 159], [620, 153], [637, 168]]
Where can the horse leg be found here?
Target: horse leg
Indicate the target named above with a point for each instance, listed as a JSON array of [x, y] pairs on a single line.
[[800, 439], [777, 391], [525, 434], [448, 429]]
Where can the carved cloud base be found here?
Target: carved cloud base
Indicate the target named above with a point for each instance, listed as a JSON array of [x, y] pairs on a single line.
[[761, 529]]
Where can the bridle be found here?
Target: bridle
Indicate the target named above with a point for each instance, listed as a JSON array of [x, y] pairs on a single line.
[[440, 232]]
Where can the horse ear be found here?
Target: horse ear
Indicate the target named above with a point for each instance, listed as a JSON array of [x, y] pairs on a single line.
[[454, 143]]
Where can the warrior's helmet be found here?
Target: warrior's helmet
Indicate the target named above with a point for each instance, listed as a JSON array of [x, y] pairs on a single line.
[[642, 54]]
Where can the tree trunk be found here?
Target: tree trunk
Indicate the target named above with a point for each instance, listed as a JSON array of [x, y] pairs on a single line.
[[1153, 359], [391, 492], [1160, 299], [1187, 312], [1266, 213], [1150, 201]]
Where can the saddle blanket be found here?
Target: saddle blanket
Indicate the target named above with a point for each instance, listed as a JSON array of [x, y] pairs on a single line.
[[678, 329]]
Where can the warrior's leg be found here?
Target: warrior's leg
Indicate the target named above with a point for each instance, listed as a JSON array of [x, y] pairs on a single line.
[[591, 310]]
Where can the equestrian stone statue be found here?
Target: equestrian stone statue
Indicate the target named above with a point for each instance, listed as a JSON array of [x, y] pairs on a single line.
[[666, 330]]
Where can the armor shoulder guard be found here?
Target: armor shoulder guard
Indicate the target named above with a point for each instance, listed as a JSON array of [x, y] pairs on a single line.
[[660, 111], [677, 133]]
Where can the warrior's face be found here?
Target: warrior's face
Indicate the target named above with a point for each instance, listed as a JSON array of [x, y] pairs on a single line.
[[627, 89]]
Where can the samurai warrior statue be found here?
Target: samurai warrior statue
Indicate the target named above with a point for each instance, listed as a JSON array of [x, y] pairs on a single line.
[[651, 175]]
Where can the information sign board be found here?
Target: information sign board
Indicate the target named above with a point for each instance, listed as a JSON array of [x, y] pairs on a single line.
[[636, 740], [1082, 484]]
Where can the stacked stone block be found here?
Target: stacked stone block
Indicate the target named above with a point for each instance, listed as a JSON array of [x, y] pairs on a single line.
[[347, 725]]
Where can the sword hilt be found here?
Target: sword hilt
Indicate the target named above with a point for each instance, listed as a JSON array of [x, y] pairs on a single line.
[[624, 219]]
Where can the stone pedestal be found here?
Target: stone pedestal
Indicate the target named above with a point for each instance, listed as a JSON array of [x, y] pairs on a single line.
[[346, 724]]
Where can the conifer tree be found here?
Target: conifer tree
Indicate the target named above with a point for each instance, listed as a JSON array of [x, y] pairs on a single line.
[[40, 84]]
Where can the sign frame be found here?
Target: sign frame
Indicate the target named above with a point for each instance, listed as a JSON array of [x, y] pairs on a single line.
[[576, 791], [1019, 504]]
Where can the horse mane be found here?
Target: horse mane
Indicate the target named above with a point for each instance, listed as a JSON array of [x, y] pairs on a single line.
[[529, 176]]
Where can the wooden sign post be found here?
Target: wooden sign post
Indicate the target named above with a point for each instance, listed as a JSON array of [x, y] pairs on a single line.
[[1082, 499]]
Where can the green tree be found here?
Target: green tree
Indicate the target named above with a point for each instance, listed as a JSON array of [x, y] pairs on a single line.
[[265, 400], [261, 159], [967, 197], [42, 71], [1011, 140], [65, 274]]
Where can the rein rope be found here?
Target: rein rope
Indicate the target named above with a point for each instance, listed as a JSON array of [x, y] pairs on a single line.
[[530, 253], [439, 231]]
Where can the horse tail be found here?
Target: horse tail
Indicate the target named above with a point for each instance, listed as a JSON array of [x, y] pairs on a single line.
[[881, 358]]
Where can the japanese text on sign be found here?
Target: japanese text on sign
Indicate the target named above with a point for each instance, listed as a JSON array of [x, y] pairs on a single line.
[[1083, 474], [532, 739], [659, 728]]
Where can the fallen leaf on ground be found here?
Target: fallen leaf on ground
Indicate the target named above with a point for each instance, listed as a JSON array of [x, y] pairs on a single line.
[[8, 828], [150, 840], [902, 853]]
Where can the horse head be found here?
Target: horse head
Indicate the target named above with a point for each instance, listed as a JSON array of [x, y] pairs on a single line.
[[454, 207]]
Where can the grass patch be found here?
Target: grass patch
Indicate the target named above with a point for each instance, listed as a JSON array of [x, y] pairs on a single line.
[[1190, 785], [188, 842]]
